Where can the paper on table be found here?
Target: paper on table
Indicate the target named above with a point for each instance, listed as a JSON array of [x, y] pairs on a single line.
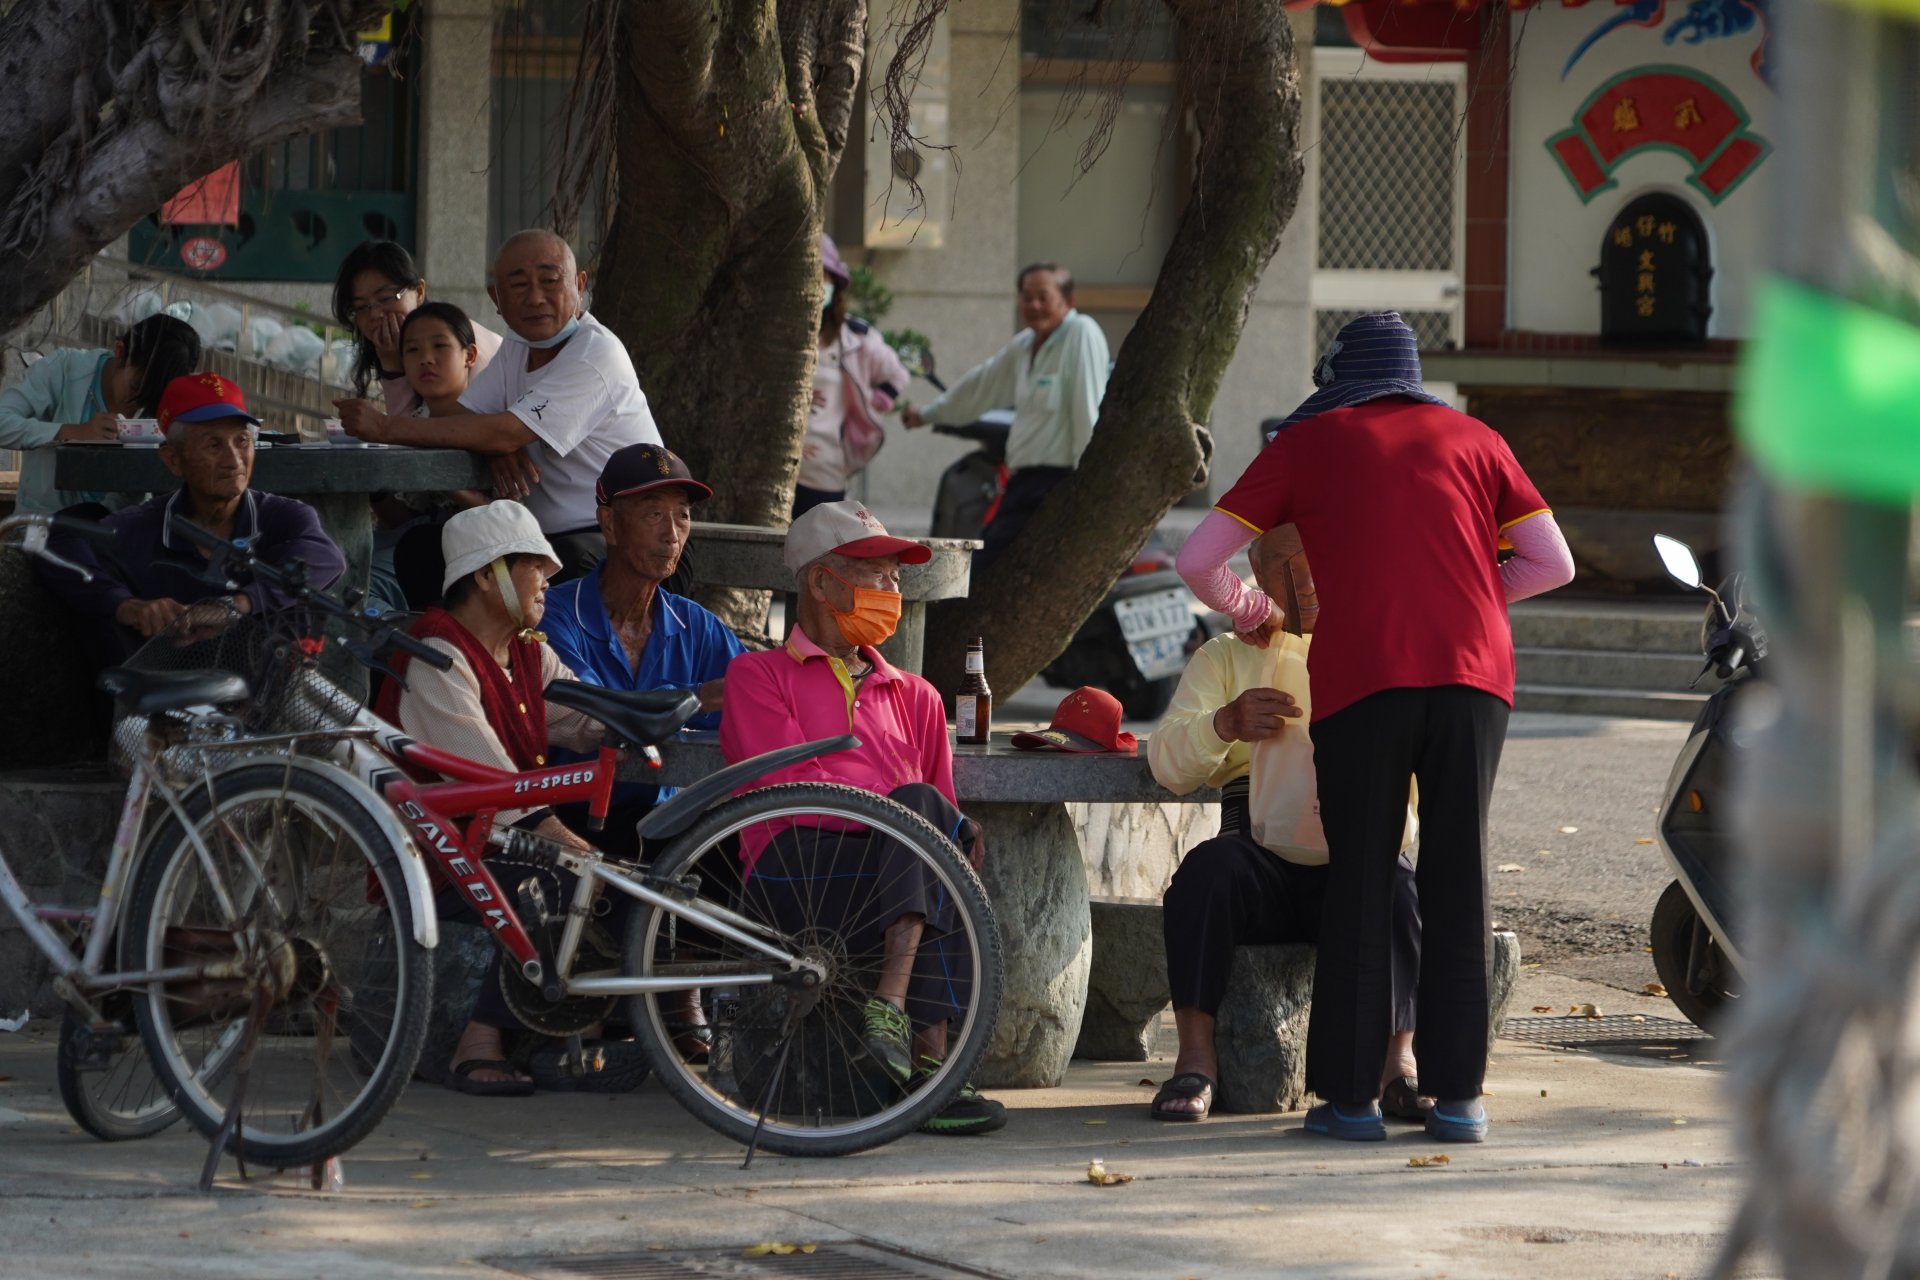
[[14, 1024]]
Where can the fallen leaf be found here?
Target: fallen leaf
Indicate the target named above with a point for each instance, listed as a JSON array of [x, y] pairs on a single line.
[[1639, 1017], [1511, 866], [1543, 1008], [1427, 1162], [1589, 1011], [1263, 1208], [1567, 831], [423, 1204], [421, 1176], [1643, 840], [1093, 1122], [1679, 1122], [776, 1247], [1543, 1093], [1097, 1174], [1655, 989], [185, 1235]]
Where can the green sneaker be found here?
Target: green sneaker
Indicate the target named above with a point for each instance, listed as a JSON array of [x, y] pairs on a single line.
[[888, 1038], [966, 1113]]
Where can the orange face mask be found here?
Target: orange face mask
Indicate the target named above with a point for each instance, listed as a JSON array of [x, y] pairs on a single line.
[[874, 617]]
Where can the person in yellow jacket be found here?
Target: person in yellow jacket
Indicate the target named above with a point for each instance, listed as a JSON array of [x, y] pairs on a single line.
[[1239, 722]]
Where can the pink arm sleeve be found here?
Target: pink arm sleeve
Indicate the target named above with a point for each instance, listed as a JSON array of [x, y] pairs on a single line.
[[1540, 560], [1203, 566]]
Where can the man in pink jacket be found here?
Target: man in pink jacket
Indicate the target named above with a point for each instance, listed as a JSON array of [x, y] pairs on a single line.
[[1402, 504], [830, 679]]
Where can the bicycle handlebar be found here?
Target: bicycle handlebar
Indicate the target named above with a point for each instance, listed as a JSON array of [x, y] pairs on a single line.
[[293, 580]]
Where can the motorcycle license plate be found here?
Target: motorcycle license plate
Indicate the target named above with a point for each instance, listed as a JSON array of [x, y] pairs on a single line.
[[1155, 628]]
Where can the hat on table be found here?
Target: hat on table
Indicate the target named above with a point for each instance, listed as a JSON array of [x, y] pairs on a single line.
[[201, 397], [1087, 720], [1373, 356], [475, 538], [850, 529], [641, 468]]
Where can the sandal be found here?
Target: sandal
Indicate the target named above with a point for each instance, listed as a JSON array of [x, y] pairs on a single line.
[[461, 1080], [1188, 1084], [623, 1066], [1401, 1099]]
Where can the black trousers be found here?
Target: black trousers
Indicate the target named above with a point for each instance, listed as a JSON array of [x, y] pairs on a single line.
[[578, 550], [859, 884], [805, 499], [1449, 738], [1027, 488], [1230, 892]]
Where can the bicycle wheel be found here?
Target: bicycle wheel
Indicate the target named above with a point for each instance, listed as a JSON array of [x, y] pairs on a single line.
[[299, 889], [105, 1080], [793, 1052]]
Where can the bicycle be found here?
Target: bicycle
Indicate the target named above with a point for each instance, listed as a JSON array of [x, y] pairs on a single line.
[[774, 975], [170, 739]]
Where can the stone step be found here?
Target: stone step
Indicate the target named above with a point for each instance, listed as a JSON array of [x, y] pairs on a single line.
[[1610, 669], [1580, 700], [1634, 627]]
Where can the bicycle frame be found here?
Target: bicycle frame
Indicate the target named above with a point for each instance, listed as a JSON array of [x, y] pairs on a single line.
[[77, 977], [370, 750]]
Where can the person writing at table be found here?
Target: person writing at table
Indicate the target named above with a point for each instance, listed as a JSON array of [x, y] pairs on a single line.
[[377, 289], [75, 396], [549, 410], [151, 576]]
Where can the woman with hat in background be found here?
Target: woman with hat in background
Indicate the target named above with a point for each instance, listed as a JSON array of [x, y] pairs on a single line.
[[490, 706], [1402, 504], [855, 376]]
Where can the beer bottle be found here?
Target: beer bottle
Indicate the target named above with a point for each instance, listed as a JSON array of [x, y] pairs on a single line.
[[973, 705]]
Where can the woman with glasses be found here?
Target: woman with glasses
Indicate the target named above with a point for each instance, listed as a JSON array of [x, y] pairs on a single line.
[[377, 288]]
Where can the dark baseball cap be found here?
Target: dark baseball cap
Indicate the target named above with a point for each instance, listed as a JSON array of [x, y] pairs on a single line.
[[642, 468]]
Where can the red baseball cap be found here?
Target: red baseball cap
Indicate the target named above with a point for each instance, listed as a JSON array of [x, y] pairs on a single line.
[[1087, 720], [201, 397]]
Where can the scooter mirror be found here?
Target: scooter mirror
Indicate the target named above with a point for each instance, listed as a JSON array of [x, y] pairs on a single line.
[[1677, 556]]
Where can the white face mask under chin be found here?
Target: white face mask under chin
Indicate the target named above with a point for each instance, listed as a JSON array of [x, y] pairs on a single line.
[[509, 593]]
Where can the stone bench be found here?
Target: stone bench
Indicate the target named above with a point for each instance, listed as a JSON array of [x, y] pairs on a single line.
[[1261, 1031]]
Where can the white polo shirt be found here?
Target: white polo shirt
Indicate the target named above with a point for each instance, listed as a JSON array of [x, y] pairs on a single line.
[[584, 404]]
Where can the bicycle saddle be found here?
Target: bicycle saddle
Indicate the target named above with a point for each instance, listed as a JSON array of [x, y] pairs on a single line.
[[148, 693], [642, 718]]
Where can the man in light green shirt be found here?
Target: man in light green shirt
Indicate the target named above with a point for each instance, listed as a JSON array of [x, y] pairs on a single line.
[[1053, 374], [74, 395]]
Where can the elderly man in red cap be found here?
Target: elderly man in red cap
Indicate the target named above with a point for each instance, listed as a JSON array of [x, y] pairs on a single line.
[[151, 577], [831, 679]]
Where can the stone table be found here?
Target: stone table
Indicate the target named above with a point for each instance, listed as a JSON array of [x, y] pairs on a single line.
[[737, 555], [1036, 877], [336, 480]]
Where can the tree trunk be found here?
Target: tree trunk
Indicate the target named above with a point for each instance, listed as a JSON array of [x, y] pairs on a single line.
[[1237, 75], [112, 108], [730, 117]]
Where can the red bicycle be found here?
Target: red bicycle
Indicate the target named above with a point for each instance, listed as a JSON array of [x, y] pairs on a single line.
[[783, 964]]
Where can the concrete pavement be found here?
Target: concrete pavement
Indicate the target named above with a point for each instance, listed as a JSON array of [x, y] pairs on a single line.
[[1617, 1165]]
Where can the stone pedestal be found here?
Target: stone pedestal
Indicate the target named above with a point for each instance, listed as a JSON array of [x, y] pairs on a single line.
[[1127, 986], [1038, 887], [1261, 1031], [1506, 976]]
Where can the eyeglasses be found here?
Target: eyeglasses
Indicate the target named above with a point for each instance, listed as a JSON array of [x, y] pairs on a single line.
[[379, 302]]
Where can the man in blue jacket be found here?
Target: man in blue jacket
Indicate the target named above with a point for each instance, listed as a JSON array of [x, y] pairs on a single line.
[[151, 576], [619, 628]]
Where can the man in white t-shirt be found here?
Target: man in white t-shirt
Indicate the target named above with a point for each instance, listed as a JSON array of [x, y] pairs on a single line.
[[549, 409]]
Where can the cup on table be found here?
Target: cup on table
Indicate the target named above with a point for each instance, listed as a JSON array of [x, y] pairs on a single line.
[[139, 429], [336, 434]]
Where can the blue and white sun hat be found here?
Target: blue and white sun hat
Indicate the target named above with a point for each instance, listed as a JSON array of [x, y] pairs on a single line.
[[1373, 356]]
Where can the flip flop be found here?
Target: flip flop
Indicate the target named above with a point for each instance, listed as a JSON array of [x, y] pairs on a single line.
[[1188, 1084], [461, 1080], [1401, 1100]]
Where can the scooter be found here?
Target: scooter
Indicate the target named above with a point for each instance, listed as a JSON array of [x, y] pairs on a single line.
[[1136, 644], [1694, 948]]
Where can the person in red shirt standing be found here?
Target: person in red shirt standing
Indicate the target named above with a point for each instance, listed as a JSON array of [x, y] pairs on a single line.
[[1403, 504]]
